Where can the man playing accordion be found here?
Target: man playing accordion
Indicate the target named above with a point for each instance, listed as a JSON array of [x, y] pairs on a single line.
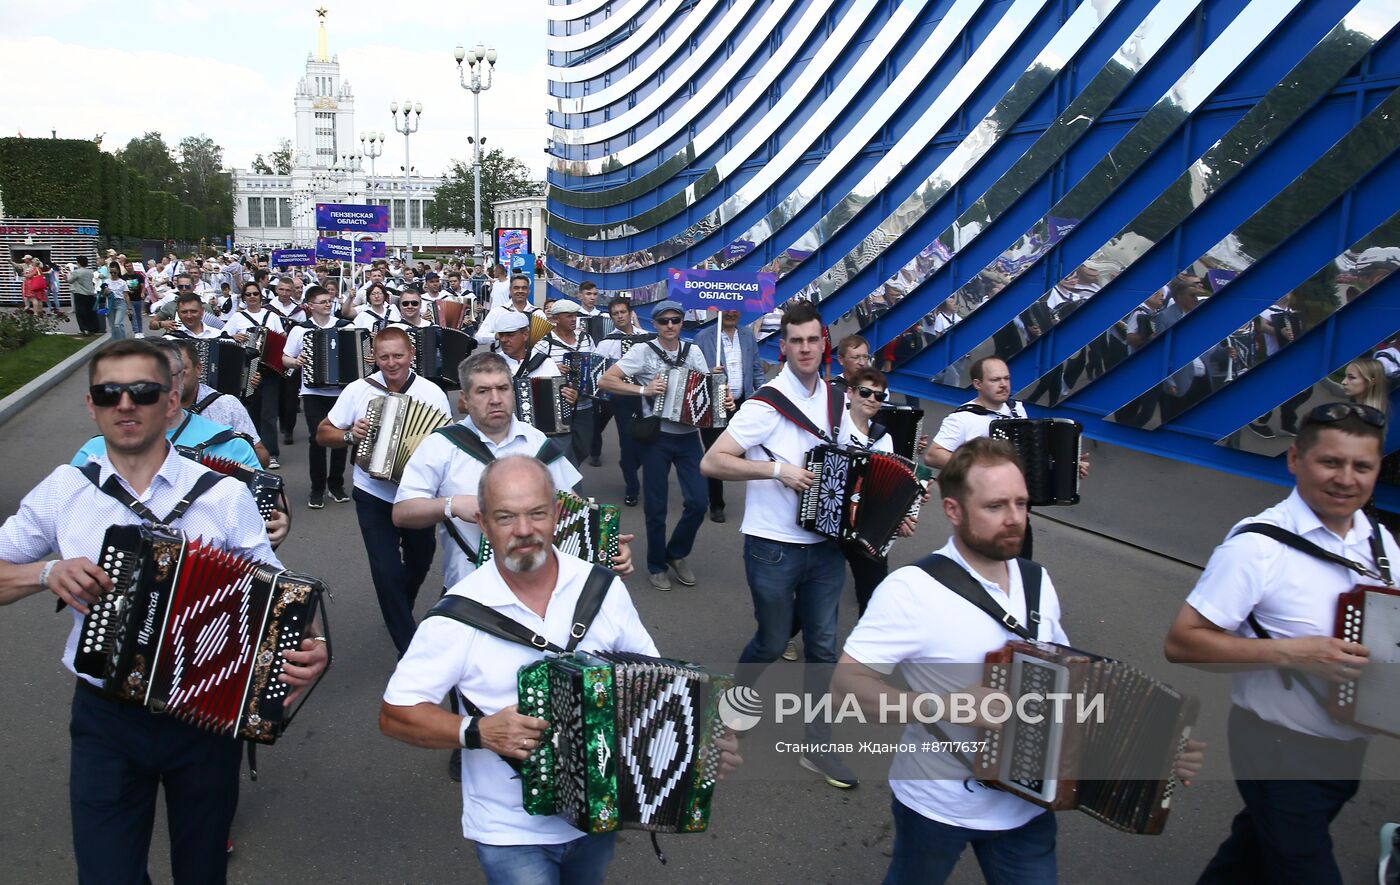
[[1266, 599], [530, 582], [123, 753]]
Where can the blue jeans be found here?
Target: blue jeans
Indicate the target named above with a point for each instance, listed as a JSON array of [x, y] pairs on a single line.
[[399, 560], [683, 451], [119, 317], [583, 861], [787, 581], [925, 851], [122, 756]]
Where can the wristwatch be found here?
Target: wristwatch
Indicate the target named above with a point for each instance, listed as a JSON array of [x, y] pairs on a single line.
[[349, 438], [471, 733]]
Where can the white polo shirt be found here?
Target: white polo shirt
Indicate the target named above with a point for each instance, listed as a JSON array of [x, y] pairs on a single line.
[[857, 440], [354, 403], [447, 654], [913, 620], [1292, 594], [959, 427], [770, 508], [440, 468]]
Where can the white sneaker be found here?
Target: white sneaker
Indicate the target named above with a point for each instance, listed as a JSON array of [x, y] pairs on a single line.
[[790, 653]]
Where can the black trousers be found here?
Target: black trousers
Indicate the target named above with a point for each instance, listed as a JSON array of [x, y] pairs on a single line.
[[602, 414], [316, 409], [122, 755], [580, 435], [85, 312], [1281, 835], [290, 403], [708, 435], [399, 560], [866, 572], [262, 407]]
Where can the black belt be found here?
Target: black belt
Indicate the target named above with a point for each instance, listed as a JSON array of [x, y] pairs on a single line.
[[796, 544]]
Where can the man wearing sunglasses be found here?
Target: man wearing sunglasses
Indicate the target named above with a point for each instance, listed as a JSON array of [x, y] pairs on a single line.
[[519, 303], [1268, 596], [677, 445], [123, 753], [411, 310]]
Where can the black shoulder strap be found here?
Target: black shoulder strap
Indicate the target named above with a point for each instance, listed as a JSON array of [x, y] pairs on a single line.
[[956, 578], [549, 452], [114, 489], [488, 620], [785, 407], [1381, 572], [530, 364], [464, 439], [975, 409], [205, 403]]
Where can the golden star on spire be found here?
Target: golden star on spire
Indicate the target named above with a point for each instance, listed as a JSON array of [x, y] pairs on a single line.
[[321, 12]]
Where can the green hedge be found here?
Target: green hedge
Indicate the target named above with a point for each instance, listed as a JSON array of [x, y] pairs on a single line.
[[67, 178]]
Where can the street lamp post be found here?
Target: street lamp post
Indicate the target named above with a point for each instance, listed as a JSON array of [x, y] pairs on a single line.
[[409, 127], [474, 59]]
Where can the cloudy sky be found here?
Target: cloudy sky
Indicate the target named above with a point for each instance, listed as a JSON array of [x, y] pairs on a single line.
[[230, 70]]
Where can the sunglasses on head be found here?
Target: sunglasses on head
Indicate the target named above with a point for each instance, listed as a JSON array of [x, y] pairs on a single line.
[[143, 393], [667, 321], [1327, 413], [867, 392]]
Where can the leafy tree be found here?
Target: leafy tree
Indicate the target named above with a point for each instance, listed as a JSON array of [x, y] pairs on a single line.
[[278, 162], [259, 165], [502, 178], [150, 156]]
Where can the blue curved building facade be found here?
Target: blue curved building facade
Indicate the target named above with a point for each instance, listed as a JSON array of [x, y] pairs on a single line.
[[1177, 220]]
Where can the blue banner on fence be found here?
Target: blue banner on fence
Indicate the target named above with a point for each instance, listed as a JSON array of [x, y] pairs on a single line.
[[752, 294], [293, 257], [346, 216]]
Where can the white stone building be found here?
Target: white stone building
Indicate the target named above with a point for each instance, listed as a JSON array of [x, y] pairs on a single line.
[[280, 209]]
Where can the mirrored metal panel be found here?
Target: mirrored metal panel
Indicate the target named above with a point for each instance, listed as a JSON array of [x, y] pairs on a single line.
[[1008, 28], [620, 88], [758, 134], [1335, 286], [619, 55], [603, 27], [566, 12], [1311, 79], [1250, 28], [1324, 181]]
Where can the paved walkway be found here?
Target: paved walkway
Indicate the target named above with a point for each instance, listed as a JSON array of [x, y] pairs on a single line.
[[337, 802]]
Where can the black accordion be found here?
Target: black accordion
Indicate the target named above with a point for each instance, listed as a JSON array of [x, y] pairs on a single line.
[[438, 351], [585, 371], [540, 403], [859, 495], [598, 327], [1370, 616], [226, 366], [1114, 762], [267, 488], [905, 426], [1049, 449], [694, 398], [631, 741], [196, 633], [398, 424], [335, 357], [582, 528]]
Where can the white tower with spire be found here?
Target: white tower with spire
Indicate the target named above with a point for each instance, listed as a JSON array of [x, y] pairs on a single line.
[[325, 108]]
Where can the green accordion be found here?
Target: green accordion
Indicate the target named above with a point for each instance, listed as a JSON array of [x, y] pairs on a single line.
[[582, 528], [631, 741]]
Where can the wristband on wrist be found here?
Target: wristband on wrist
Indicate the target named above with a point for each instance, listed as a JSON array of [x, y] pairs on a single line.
[[777, 470], [45, 572], [447, 509]]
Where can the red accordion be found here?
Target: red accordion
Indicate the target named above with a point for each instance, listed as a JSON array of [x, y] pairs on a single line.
[[1370, 616], [859, 495], [196, 633]]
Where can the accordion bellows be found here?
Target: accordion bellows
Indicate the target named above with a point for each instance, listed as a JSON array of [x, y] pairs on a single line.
[[1117, 767], [859, 495], [226, 366], [582, 528], [266, 487], [398, 424], [196, 633], [630, 745]]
